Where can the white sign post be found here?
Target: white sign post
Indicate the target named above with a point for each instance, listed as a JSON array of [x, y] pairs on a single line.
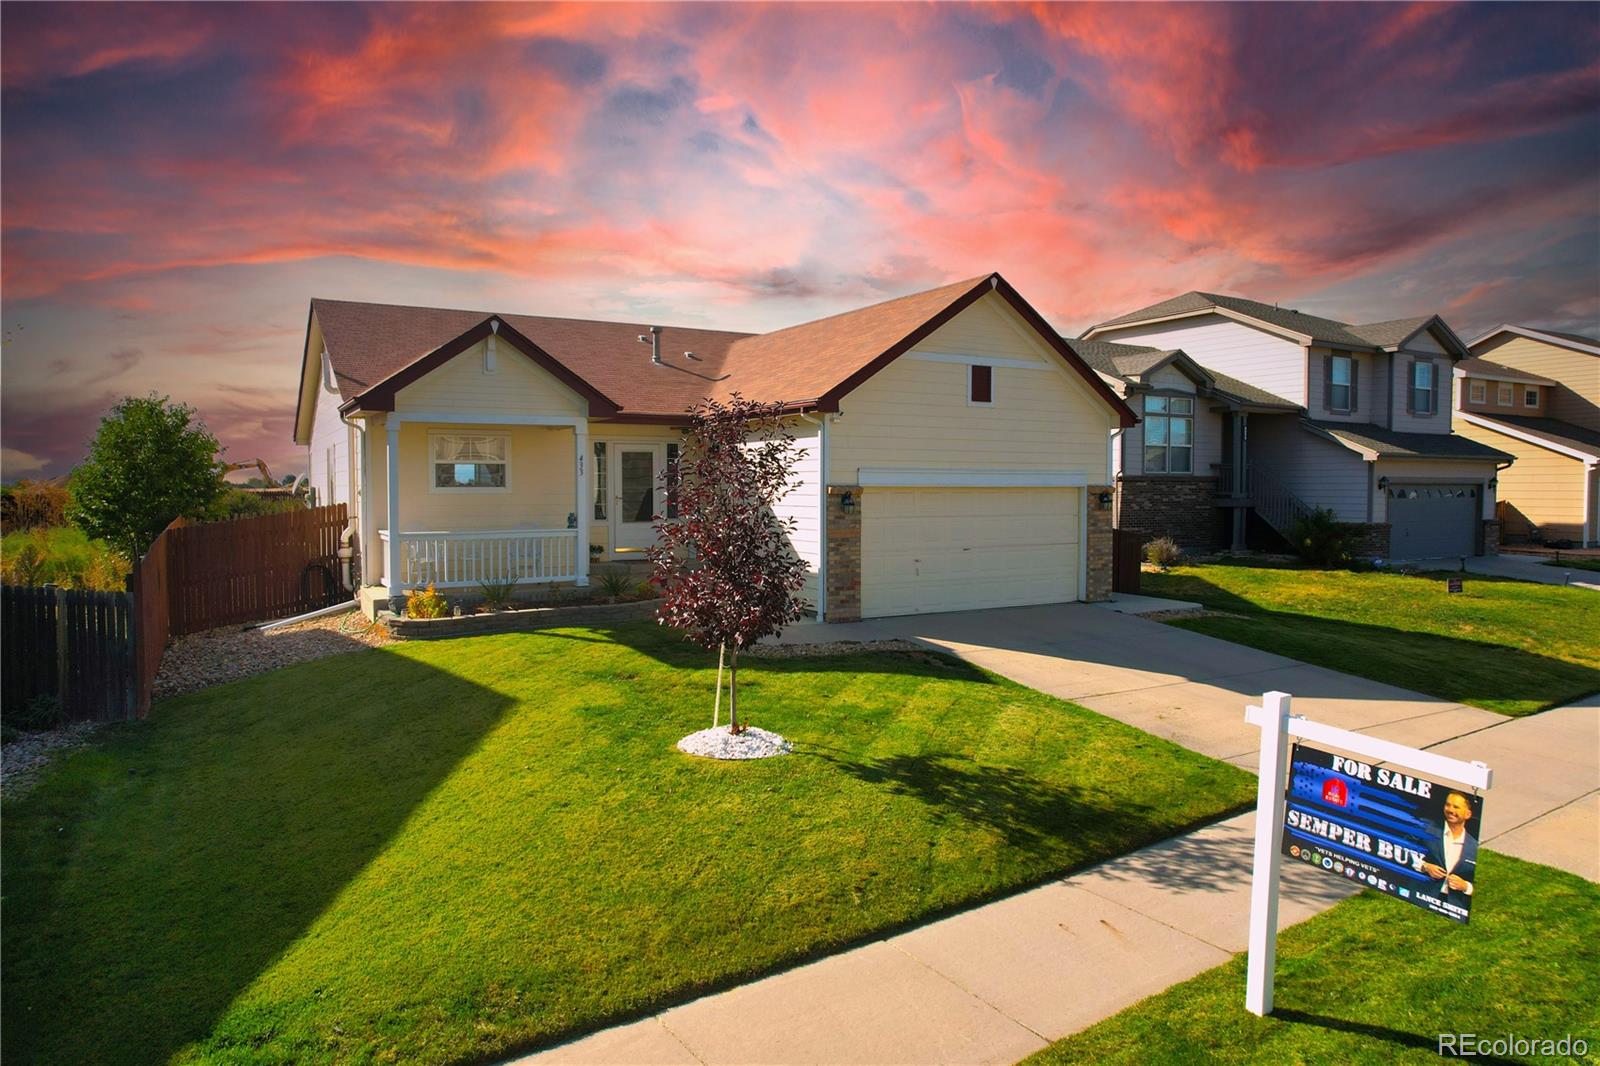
[[1277, 726]]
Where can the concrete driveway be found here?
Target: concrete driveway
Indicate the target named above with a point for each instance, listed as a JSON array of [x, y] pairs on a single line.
[[1192, 690], [1525, 568]]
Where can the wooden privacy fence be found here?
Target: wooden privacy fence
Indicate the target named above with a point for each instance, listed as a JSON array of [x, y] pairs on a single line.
[[72, 645], [99, 652]]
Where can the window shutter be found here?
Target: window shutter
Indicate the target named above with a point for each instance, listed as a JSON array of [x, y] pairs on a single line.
[[1355, 382], [1327, 382], [1411, 387]]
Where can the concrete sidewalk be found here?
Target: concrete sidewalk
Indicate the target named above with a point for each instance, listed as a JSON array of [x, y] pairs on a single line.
[[997, 982]]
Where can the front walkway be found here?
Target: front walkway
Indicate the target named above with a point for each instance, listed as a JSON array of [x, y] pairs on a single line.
[[999, 981]]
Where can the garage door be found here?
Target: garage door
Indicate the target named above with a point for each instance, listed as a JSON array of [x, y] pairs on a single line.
[[925, 550], [1431, 521]]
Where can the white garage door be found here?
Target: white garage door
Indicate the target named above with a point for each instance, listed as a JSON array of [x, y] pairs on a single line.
[[925, 550]]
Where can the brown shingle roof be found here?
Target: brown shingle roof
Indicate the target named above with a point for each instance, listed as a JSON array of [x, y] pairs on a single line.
[[1329, 331], [1397, 444], [1551, 429], [1127, 361], [369, 344], [1483, 368]]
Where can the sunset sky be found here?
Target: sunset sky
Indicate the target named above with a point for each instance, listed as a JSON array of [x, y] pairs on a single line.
[[179, 180]]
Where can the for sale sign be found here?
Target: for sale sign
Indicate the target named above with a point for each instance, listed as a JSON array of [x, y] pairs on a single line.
[[1383, 828]]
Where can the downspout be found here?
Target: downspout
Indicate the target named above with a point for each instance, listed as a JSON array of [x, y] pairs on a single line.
[[352, 526], [1588, 502], [822, 513]]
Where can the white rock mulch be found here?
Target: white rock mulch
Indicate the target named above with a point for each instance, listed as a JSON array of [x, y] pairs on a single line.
[[833, 647], [22, 760], [718, 743], [210, 658]]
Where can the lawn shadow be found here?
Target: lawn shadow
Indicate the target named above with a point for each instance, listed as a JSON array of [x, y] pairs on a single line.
[[152, 879], [1493, 673], [1027, 811], [669, 648], [1396, 1037]]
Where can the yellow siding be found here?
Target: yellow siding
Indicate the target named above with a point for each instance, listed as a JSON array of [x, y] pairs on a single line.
[[914, 413], [1544, 487], [516, 387], [541, 478], [1578, 401]]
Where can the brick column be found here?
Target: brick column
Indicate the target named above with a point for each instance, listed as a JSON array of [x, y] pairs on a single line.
[[844, 555], [1098, 529], [1491, 536]]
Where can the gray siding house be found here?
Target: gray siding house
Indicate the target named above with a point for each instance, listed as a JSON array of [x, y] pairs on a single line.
[[1247, 408]]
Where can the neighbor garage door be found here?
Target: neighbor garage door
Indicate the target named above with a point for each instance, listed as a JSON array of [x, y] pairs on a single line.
[[1430, 521], [926, 550]]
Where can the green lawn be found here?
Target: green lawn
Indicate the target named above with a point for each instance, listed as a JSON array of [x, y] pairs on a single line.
[[450, 850], [1507, 646], [1376, 980]]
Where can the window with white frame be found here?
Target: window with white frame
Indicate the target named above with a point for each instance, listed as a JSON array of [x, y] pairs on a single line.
[[470, 461], [1503, 395], [1168, 434], [1339, 383], [600, 476], [1530, 397], [1422, 390], [1478, 392]]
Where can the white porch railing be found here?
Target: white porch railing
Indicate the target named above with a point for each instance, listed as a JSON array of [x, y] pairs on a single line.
[[462, 560]]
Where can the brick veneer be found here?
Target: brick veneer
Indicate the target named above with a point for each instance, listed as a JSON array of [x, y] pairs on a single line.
[[1173, 506], [1491, 536], [844, 554], [1371, 540], [1098, 530]]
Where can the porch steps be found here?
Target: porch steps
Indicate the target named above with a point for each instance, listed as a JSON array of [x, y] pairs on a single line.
[[1275, 504]]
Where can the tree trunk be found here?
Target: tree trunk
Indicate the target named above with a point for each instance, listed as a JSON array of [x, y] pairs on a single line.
[[733, 693]]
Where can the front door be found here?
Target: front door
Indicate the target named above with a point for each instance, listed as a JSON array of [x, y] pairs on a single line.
[[637, 498]]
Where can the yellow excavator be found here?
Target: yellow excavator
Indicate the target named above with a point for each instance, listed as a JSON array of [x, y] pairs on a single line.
[[272, 487]]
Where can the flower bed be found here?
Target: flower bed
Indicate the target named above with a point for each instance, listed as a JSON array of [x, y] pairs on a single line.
[[527, 618]]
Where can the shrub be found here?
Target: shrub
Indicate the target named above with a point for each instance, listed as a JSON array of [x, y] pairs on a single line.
[[237, 503], [29, 504], [1321, 539], [497, 594], [645, 590], [615, 582], [1163, 552], [62, 556], [426, 603], [42, 712]]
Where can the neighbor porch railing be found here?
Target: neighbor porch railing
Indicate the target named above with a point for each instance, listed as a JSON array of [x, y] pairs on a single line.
[[460, 560], [1277, 506]]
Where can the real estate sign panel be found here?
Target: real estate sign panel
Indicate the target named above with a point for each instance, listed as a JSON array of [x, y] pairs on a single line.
[[1383, 828]]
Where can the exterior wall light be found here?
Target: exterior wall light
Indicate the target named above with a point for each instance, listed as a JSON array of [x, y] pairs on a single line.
[[1494, 483], [847, 503], [1105, 500], [1383, 484]]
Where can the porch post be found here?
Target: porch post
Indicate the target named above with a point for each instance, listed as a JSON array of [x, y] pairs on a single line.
[[585, 502], [391, 556]]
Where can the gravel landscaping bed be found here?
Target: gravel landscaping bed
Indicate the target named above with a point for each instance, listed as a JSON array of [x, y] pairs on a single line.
[[22, 759], [207, 659]]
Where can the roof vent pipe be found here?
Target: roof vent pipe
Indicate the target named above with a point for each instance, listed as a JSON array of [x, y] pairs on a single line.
[[654, 340]]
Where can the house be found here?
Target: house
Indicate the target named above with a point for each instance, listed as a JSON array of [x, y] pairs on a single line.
[[1536, 394], [953, 446], [1253, 408]]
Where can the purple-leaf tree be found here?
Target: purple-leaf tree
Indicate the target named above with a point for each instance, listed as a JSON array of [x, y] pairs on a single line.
[[723, 562]]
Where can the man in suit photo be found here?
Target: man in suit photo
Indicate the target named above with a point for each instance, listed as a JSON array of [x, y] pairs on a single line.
[[1453, 853]]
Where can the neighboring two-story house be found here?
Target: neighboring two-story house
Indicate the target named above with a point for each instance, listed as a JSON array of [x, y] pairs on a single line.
[[1273, 411], [1536, 394]]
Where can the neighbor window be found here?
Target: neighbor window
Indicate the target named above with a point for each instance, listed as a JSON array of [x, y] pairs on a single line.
[[600, 475], [1339, 383], [1479, 392], [1422, 389], [1168, 434], [469, 461], [1503, 395], [980, 384], [1530, 397]]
